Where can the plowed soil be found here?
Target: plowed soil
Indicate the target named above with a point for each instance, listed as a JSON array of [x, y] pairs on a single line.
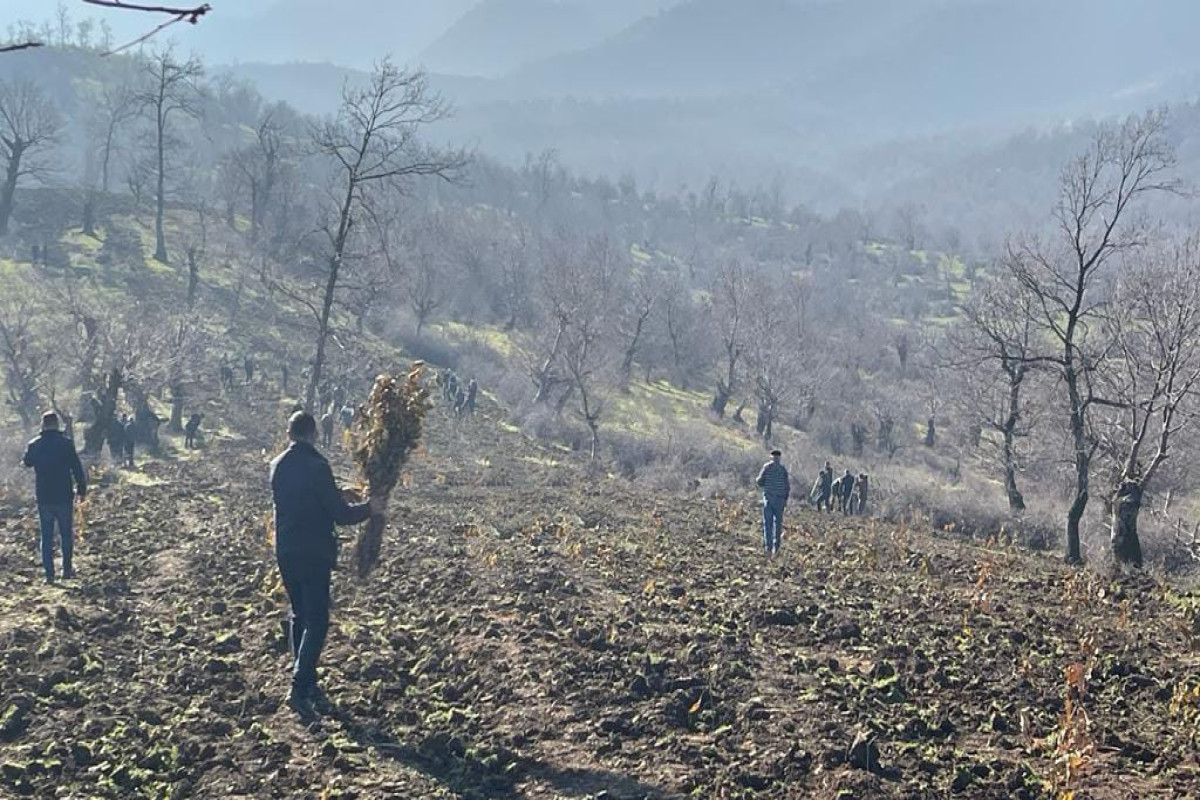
[[538, 629]]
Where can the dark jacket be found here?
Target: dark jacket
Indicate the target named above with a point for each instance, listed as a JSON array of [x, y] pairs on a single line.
[[773, 480], [56, 468], [308, 504]]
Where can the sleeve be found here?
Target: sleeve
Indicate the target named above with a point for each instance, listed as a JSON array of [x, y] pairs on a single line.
[[78, 471], [787, 485], [331, 500], [761, 480], [30, 454]]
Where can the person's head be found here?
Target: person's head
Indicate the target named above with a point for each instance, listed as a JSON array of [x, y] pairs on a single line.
[[302, 427], [828, 465], [776, 454], [49, 421], [849, 473]]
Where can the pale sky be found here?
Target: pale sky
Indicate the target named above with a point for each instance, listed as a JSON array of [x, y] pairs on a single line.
[[277, 30]]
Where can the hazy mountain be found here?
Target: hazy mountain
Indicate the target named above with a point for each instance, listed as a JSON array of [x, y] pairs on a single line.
[[966, 58], [704, 47], [497, 36]]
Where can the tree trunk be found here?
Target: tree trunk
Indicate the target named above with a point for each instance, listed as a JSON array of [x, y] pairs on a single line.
[[175, 425], [9, 190], [1082, 466], [1127, 504], [193, 278], [631, 350], [89, 214], [160, 239], [1016, 501], [720, 399], [104, 408]]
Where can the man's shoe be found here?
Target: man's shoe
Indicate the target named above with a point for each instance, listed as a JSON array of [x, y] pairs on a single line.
[[321, 702], [301, 704], [68, 573]]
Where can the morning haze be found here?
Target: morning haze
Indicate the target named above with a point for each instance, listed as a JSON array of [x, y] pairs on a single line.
[[499, 399]]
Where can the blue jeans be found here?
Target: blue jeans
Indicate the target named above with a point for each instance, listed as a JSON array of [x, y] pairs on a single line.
[[772, 523], [307, 585], [64, 516]]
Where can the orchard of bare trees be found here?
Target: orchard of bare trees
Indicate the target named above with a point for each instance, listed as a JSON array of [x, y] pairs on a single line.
[[1047, 382]]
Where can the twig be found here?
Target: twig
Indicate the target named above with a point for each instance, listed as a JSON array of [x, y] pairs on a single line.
[[12, 48], [189, 15], [142, 38]]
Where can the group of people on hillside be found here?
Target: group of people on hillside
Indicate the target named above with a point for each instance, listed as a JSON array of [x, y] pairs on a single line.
[[459, 396], [122, 440], [849, 493]]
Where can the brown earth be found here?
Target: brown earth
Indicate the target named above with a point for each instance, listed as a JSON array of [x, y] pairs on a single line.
[[537, 630]]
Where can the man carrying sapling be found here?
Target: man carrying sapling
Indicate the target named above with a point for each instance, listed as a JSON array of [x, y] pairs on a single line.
[[308, 504]]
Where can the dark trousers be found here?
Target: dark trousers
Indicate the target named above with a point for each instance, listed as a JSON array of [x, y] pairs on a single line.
[[307, 585], [64, 516]]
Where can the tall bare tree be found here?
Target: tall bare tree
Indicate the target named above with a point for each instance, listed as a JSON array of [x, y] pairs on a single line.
[[29, 127], [1152, 382], [171, 91], [372, 145], [1096, 221], [730, 309], [994, 353], [117, 106], [259, 166]]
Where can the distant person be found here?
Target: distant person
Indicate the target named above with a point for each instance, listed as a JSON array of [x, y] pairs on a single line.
[[116, 440], [825, 488], [248, 368], [460, 402], [472, 391], [776, 488], [130, 439], [452, 388], [191, 429], [858, 502], [327, 429], [347, 414], [307, 507], [847, 490], [59, 476]]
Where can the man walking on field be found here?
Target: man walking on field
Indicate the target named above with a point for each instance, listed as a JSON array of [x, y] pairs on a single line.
[[60, 476], [776, 488], [308, 504]]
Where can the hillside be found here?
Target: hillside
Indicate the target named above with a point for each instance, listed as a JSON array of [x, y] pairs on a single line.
[[899, 63], [497, 36], [538, 632]]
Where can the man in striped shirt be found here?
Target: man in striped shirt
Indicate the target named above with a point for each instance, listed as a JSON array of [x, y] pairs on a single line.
[[776, 488]]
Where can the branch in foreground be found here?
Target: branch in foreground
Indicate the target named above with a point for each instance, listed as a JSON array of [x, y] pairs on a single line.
[[12, 48], [192, 15]]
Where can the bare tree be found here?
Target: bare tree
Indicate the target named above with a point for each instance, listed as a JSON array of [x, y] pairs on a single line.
[[372, 144], [29, 127], [259, 166], [994, 353], [730, 297], [24, 350], [1096, 220], [776, 345], [643, 297], [585, 351], [118, 105], [171, 91], [1151, 384]]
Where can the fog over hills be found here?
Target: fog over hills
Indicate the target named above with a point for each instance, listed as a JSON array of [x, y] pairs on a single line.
[[788, 90]]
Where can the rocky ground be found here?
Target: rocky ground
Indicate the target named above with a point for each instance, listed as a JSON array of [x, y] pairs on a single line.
[[537, 630]]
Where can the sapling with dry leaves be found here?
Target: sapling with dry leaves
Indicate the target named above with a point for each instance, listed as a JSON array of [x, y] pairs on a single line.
[[384, 433]]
